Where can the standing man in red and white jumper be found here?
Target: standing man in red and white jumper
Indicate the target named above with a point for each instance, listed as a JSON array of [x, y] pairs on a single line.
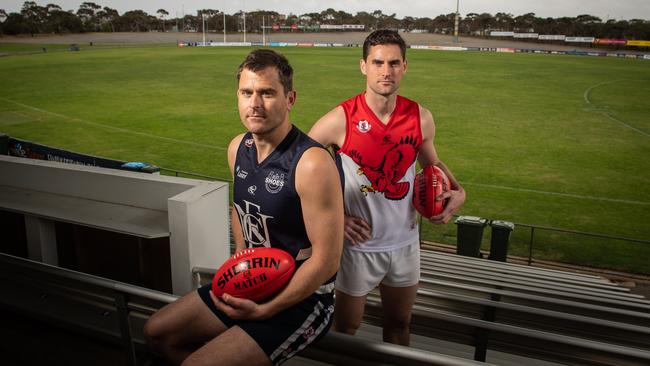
[[378, 135]]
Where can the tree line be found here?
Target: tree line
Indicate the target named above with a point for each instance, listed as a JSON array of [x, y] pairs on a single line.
[[91, 17]]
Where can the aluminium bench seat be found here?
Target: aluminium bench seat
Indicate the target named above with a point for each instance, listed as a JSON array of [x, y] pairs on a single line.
[[585, 296], [513, 267]]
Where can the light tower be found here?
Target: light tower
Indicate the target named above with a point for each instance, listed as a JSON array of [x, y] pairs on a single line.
[[244, 27], [203, 25], [456, 23]]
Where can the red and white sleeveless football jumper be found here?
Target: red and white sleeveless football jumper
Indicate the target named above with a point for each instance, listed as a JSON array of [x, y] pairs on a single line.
[[378, 163]]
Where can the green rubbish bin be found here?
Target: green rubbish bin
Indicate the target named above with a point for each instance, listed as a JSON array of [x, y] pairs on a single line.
[[500, 237], [469, 234], [4, 144]]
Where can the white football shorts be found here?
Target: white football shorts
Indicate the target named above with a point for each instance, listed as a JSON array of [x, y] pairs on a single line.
[[360, 272]]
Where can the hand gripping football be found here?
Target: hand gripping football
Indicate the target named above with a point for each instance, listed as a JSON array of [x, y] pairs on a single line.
[[254, 274], [429, 183]]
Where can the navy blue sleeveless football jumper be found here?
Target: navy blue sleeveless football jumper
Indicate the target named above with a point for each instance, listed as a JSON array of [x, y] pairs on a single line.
[[265, 196], [269, 211]]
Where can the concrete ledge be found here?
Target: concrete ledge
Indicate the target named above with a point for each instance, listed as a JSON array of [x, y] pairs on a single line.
[[192, 213], [130, 220]]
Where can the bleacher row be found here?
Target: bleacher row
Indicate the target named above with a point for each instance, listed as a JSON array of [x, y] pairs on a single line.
[[537, 313], [545, 314], [115, 312]]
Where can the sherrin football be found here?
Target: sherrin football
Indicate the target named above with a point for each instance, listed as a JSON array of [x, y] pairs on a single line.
[[429, 183], [254, 273]]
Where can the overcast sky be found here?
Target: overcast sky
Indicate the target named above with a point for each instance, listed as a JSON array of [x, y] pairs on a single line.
[[605, 9]]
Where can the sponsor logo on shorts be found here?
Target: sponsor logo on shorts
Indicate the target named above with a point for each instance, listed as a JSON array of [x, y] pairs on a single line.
[[308, 333], [274, 182], [252, 190], [363, 126]]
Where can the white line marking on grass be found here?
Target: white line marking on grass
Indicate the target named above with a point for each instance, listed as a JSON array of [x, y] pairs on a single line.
[[606, 113], [23, 116], [592, 198], [118, 129], [19, 114]]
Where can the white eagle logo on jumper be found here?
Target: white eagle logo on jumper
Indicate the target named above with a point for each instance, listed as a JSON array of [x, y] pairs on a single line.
[[363, 126], [253, 224], [274, 182]]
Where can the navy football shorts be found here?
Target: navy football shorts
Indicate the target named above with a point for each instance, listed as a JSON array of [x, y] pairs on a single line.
[[287, 332]]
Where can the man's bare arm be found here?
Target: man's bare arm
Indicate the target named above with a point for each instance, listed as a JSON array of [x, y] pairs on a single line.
[[329, 130], [428, 156], [237, 233]]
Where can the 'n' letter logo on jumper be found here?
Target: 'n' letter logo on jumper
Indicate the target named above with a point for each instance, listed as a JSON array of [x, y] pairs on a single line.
[[253, 224]]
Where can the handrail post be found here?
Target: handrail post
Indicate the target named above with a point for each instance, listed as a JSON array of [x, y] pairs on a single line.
[[121, 302], [530, 245], [420, 230]]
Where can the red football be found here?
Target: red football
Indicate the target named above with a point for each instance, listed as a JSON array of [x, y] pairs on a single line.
[[254, 273], [429, 183]]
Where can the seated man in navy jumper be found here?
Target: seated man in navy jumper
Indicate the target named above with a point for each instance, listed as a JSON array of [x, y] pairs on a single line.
[[287, 194]]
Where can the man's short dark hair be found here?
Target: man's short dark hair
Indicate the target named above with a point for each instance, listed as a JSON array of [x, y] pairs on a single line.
[[262, 58], [383, 37]]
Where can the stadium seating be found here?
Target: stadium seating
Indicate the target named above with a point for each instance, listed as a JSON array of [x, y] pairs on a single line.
[[544, 314], [477, 306], [115, 312]]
